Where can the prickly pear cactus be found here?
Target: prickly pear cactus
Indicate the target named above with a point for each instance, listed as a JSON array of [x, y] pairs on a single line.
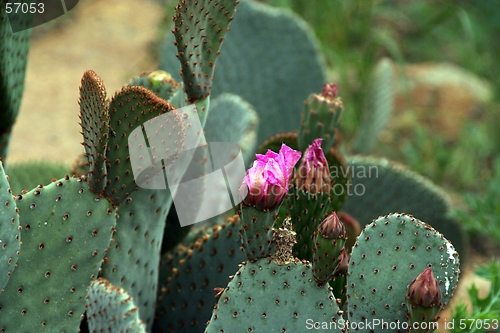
[[10, 240], [387, 256], [240, 124], [134, 253], [321, 118], [66, 230], [378, 107], [111, 309], [94, 120], [199, 30], [190, 274], [267, 295], [251, 65], [130, 109]]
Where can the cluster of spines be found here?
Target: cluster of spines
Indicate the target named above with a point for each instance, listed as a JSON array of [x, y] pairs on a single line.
[[94, 120], [199, 30]]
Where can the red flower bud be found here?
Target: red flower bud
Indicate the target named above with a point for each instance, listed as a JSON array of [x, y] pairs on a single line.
[[313, 174], [332, 227], [424, 290]]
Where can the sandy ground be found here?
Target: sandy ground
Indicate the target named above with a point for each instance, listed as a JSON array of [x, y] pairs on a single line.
[[111, 37]]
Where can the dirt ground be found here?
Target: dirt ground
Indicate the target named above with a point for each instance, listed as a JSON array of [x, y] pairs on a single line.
[[111, 37]]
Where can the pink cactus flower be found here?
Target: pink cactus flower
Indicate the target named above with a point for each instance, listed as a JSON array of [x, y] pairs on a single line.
[[267, 179]]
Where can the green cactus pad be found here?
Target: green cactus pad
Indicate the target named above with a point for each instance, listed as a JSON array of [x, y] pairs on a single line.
[[271, 59], [13, 58], [378, 107], [380, 187], [200, 27], [10, 240], [66, 230], [94, 120], [159, 82], [266, 297], [188, 278], [387, 256], [257, 231], [240, 124], [111, 309], [27, 175], [134, 254], [130, 109]]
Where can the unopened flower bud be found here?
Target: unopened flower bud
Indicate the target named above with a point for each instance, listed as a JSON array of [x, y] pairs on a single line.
[[343, 265], [424, 290], [330, 91], [332, 227], [313, 174], [423, 299]]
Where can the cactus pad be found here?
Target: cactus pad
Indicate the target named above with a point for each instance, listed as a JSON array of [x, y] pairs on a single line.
[[134, 253], [266, 297], [187, 298], [240, 124], [27, 175], [10, 241], [387, 256], [65, 233], [199, 30], [251, 65], [111, 309], [94, 119], [130, 109], [320, 119], [378, 107]]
